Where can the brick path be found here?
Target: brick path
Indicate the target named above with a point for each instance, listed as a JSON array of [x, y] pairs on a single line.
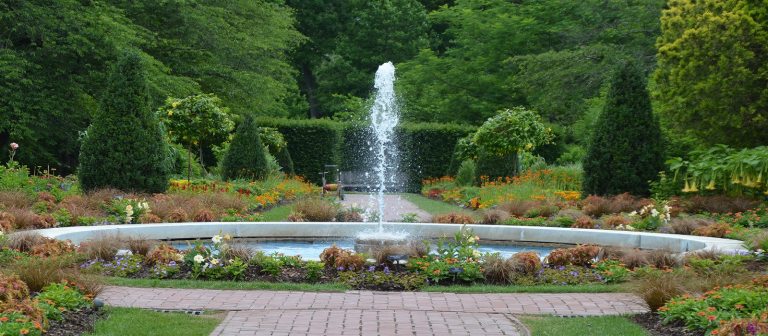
[[371, 313]]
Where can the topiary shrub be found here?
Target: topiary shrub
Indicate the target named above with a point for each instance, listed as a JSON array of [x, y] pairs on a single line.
[[466, 173], [125, 148], [245, 157], [626, 148]]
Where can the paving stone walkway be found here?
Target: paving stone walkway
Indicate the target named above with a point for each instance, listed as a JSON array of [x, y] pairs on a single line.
[[371, 313]]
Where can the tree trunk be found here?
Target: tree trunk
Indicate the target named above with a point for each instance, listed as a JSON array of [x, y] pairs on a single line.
[[309, 86]]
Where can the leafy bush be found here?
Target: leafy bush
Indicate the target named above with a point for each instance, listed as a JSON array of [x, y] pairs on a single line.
[[57, 298], [526, 263], [457, 259], [686, 225], [163, 254], [612, 271], [705, 312], [340, 259], [723, 169], [466, 174], [720, 204], [245, 157], [382, 280], [124, 148], [626, 149], [717, 230]]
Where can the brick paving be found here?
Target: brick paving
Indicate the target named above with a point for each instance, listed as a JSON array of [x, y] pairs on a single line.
[[371, 313]]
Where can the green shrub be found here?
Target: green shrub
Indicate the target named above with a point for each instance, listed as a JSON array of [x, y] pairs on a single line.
[[313, 143], [59, 297], [626, 149], [245, 157], [125, 148], [423, 149], [466, 174], [494, 166]]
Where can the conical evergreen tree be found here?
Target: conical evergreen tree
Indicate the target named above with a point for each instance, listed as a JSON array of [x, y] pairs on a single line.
[[124, 147], [245, 157], [626, 148]]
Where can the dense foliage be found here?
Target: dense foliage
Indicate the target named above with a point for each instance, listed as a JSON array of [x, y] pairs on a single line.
[[246, 157], [125, 148], [626, 149], [723, 169], [713, 70]]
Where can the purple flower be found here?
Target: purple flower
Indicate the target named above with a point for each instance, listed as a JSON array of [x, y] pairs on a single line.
[[371, 269], [386, 270], [751, 329], [340, 268], [561, 268], [172, 263], [574, 273], [455, 270]]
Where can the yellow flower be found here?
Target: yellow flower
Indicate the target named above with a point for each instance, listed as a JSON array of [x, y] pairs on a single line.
[[711, 185], [687, 187]]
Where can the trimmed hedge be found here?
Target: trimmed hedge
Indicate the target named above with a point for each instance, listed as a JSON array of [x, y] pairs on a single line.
[[313, 143], [425, 148]]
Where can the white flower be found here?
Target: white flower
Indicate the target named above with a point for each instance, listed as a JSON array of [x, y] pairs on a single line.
[[217, 239], [476, 253], [214, 262], [633, 214], [654, 213], [471, 239], [198, 259]]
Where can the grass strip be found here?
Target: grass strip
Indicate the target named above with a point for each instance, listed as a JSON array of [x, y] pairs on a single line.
[[582, 326], [141, 322], [278, 214], [212, 284], [587, 288]]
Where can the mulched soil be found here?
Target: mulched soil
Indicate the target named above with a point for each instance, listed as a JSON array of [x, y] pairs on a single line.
[[652, 323], [75, 323]]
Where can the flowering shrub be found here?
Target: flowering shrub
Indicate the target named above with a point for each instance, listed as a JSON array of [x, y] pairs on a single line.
[[707, 311], [58, 298], [382, 280], [755, 218], [164, 271], [122, 266], [652, 216], [14, 323], [207, 261], [612, 271], [457, 259], [129, 210], [164, 254]]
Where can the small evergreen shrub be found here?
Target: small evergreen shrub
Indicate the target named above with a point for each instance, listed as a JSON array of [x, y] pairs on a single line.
[[466, 173], [125, 148], [245, 157], [626, 149]]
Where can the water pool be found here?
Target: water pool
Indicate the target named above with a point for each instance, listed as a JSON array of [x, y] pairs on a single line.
[[311, 249]]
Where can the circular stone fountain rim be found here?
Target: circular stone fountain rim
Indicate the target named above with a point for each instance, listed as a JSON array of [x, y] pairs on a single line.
[[628, 239]]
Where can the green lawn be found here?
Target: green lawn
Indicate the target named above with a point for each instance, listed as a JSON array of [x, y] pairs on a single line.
[[278, 214], [434, 207], [206, 284], [582, 326], [140, 322]]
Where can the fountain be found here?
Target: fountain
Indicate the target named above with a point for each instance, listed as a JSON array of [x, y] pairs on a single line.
[[384, 118]]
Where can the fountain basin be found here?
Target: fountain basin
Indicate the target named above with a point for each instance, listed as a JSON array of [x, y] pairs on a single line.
[[523, 234]]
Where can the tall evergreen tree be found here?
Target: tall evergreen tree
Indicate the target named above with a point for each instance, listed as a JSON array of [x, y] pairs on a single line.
[[124, 148], [626, 148], [245, 157]]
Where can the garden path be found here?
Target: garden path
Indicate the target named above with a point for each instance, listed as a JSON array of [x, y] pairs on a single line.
[[395, 208], [371, 313]]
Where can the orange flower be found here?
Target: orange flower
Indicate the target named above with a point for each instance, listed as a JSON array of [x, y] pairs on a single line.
[[3, 318], [711, 317], [24, 331], [715, 332], [436, 272], [711, 309], [663, 308], [701, 313], [739, 306]]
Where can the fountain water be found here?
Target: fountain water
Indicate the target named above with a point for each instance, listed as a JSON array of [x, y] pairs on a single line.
[[384, 118]]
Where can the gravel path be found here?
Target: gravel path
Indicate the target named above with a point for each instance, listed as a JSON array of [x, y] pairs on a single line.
[[395, 206]]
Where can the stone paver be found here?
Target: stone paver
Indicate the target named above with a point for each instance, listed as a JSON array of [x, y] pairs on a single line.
[[366, 322], [371, 313], [396, 206]]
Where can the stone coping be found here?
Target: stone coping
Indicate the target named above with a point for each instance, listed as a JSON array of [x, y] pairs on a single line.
[[532, 234]]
